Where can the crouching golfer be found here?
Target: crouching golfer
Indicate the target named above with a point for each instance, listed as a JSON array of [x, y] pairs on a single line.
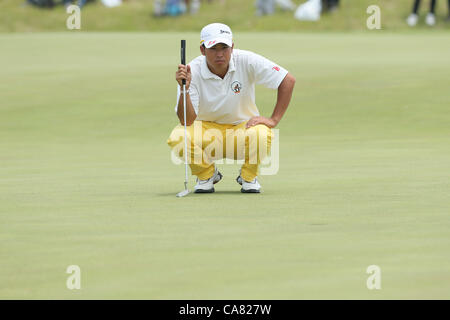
[[220, 102]]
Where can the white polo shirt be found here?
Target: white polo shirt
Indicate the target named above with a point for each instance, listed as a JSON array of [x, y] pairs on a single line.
[[231, 100]]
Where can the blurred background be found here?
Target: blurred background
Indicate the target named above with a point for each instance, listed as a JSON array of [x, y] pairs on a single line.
[[248, 15]]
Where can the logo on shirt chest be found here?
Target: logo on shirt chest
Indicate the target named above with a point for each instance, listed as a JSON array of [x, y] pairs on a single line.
[[236, 87]]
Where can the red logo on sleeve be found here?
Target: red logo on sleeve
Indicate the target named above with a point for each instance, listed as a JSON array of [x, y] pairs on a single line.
[[276, 68]]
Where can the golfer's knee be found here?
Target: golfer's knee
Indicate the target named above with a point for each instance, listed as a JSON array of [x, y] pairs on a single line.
[[265, 135], [263, 132], [261, 128]]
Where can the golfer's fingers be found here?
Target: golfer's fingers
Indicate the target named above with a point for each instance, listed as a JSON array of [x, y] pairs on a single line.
[[183, 73], [180, 75], [254, 121], [184, 68], [180, 68], [250, 123]]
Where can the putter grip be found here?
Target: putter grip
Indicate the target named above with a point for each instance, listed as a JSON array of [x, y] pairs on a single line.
[[183, 55]]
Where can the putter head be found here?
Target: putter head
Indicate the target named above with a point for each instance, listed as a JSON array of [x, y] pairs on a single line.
[[183, 193]]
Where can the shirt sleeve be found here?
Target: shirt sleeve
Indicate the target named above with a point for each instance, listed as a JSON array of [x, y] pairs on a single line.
[[266, 72], [193, 94]]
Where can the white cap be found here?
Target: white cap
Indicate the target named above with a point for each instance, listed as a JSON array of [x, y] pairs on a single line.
[[215, 33]]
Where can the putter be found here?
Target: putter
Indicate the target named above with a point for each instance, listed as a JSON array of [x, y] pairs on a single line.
[[185, 192]]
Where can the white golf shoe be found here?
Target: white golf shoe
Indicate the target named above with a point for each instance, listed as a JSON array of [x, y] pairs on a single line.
[[249, 186], [207, 186], [412, 19], [430, 19]]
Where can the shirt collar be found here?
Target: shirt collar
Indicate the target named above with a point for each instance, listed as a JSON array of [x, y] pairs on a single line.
[[207, 74]]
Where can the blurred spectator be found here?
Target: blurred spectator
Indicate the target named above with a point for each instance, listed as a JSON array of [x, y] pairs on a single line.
[[265, 7], [431, 16], [309, 11], [42, 3], [330, 5], [80, 3], [193, 5], [286, 4], [448, 18], [52, 3], [175, 7], [111, 3], [430, 19], [169, 7], [158, 8]]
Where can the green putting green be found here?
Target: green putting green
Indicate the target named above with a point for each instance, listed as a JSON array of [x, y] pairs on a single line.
[[86, 177]]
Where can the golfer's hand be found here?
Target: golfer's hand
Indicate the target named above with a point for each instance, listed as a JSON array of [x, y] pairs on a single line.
[[184, 72], [271, 123]]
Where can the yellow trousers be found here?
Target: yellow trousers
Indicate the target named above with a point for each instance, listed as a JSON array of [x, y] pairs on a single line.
[[209, 141]]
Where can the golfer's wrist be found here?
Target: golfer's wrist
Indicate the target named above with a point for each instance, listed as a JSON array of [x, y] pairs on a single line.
[[187, 90], [275, 119]]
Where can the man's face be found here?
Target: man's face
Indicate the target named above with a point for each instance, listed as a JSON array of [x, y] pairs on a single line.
[[218, 56]]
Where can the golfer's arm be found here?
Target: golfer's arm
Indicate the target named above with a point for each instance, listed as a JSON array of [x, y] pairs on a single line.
[[190, 112], [284, 97]]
